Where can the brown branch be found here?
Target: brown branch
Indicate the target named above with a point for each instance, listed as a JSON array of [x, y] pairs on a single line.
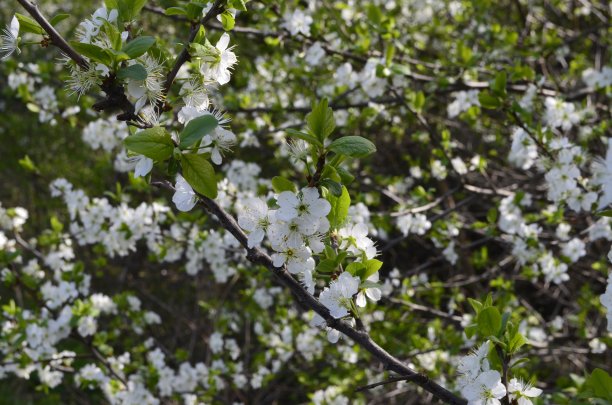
[[56, 38], [258, 256], [378, 384]]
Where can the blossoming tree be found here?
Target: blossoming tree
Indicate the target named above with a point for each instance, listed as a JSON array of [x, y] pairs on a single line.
[[281, 202]]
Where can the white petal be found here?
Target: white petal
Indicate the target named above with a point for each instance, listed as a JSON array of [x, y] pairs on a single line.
[[223, 42], [361, 300], [143, 167], [14, 30]]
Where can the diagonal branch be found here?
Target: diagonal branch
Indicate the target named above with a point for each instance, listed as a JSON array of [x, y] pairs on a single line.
[[56, 38], [307, 301]]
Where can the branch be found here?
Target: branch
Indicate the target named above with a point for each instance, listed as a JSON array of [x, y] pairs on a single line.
[[56, 38], [258, 256]]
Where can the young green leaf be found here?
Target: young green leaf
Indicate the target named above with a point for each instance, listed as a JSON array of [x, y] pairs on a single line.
[[154, 143], [304, 136], [339, 208], [175, 11], [488, 101], [58, 17], [498, 86], [353, 146], [489, 321], [281, 184], [227, 20], [138, 46], [321, 120], [200, 174], [27, 24], [334, 187], [196, 129]]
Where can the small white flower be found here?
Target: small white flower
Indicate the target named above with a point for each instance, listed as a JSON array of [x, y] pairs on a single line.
[[307, 205], [255, 219], [487, 389], [521, 393], [184, 197], [339, 295], [297, 22], [372, 291], [298, 260], [9, 39], [219, 141], [219, 69]]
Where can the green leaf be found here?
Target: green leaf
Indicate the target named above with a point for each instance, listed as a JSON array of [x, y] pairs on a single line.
[[339, 208], [196, 129], [605, 213], [321, 120], [27, 164], [304, 136], [470, 330], [353, 146], [488, 101], [489, 321], [354, 268], [237, 4], [138, 46], [200, 174], [27, 24], [517, 341], [129, 9], [371, 267], [334, 187], [326, 266], [498, 86], [92, 52], [194, 10], [175, 11], [135, 72], [58, 17], [345, 176], [227, 19], [281, 184], [601, 383], [154, 143]]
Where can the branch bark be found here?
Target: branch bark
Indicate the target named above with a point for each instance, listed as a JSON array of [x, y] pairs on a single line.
[[56, 39], [258, 256]]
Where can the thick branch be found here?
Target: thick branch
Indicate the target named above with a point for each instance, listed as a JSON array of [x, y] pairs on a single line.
[[307, 301], [56, 38]]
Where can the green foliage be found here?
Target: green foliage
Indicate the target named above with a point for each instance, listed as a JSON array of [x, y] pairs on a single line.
[[321, 120], [154, 143], [196, 129], [134, 72], [27, 24], [339, 208], [353, 146], [138, 46], [200, 174]]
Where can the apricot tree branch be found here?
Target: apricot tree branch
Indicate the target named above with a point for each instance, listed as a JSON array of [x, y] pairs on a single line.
[[306, 300]]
